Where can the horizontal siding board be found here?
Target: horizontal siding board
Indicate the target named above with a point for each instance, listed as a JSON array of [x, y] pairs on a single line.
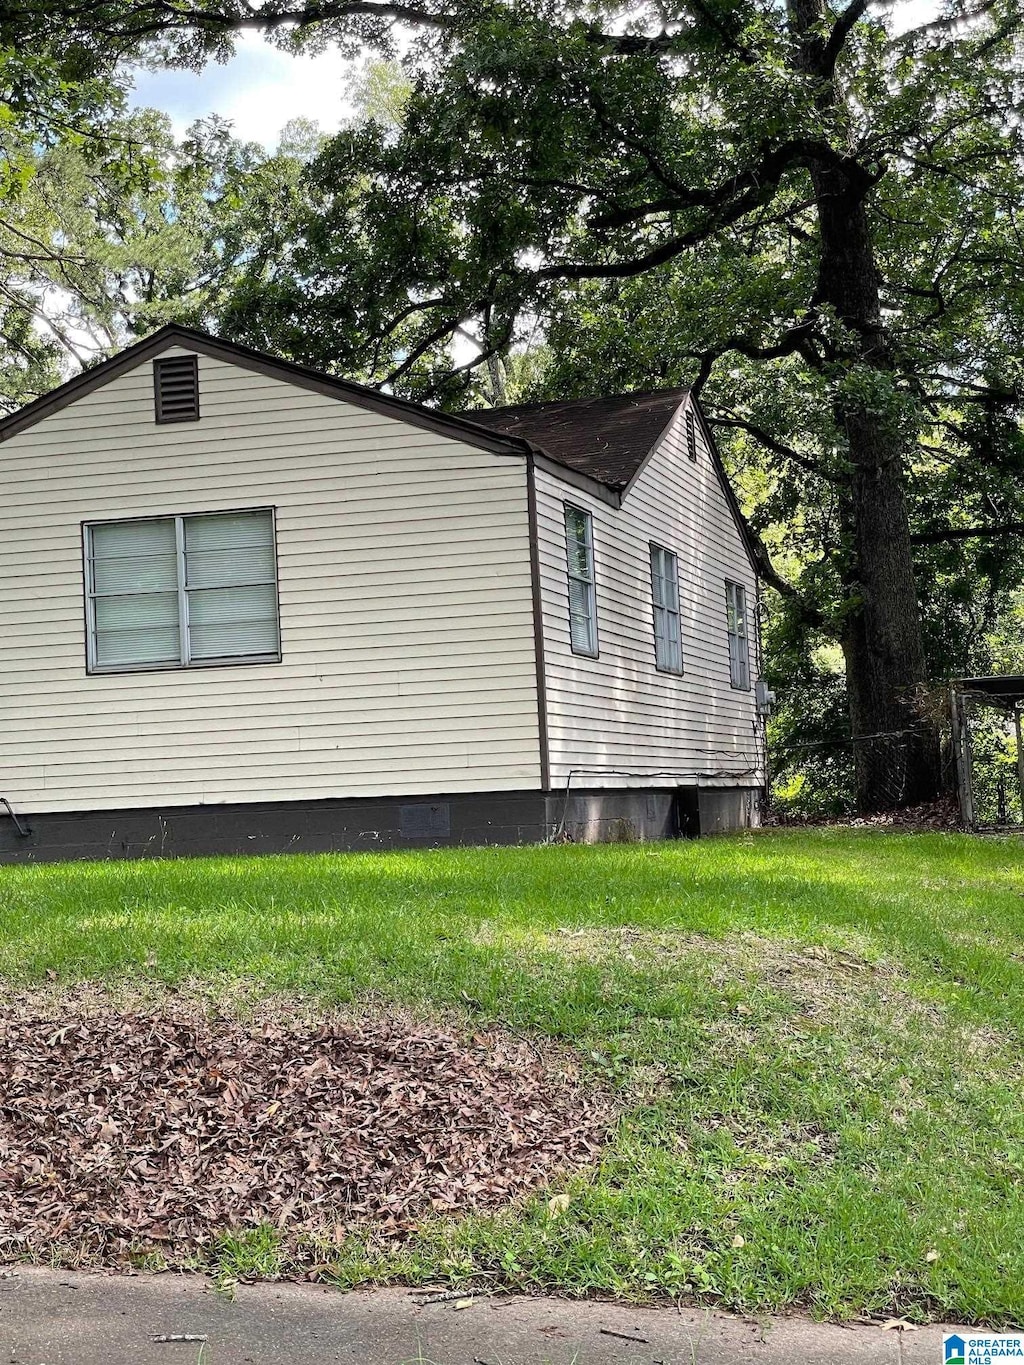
[[373, 632], [272, 747], [441, 725], [443, 674], [139, 796], [618, 711], [404, 583], [387, 702]]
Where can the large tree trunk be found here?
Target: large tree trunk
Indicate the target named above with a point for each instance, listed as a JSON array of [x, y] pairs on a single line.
[[895, 750]]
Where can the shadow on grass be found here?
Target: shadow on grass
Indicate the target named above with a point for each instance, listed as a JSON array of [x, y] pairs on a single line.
[[947, 908]]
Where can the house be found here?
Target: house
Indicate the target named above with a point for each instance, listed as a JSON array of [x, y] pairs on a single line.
[[245, 606]]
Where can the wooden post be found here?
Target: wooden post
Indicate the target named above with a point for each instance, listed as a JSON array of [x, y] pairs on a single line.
[[962, 756], [1020, 758]]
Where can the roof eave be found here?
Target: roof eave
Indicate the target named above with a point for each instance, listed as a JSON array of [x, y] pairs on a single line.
[[575, 478], [759, 558]]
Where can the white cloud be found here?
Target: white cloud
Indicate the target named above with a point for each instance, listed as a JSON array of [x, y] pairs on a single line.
[[259, 90]]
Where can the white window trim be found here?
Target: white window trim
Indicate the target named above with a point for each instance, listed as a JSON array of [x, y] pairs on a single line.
[[590, 583], [185, 661], [735, 593], [669, 608]]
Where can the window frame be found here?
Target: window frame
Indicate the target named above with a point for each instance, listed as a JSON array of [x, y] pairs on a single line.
[[655, 548], [733, 614], [591, 583], [93, 669]]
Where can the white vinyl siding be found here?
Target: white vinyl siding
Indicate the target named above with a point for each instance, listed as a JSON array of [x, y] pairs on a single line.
[[406, 620], [617, 721], [736, 620], [177, 591], [668, 646], [579, 552]]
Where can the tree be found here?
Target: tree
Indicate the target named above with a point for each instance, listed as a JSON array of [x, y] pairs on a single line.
[[44, 116], [805, 195], [173, 245], [114, 235]]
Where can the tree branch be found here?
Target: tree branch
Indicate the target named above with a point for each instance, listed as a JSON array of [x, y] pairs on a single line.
[[143, 21], [745, 188], [947, 24], [807, 614], [840, 32], [770, 442], [948, 533]]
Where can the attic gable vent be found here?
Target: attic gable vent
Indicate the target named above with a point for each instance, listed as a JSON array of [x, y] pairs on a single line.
[[176, 388], [691, 435]]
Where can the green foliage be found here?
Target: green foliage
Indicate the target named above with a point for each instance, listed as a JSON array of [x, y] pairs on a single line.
[[811, 757], [45, 117], [106, 237], [995, 786], [248, 1253], [546, 199]]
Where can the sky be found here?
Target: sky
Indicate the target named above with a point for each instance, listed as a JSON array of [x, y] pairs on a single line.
[[261, 88]]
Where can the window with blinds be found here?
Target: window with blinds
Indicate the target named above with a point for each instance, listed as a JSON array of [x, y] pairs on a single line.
[[180, 591], [739, 654], [668, 641], [579, 545]]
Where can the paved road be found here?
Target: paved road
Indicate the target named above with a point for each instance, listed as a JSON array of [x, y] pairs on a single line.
[[56, 1318]]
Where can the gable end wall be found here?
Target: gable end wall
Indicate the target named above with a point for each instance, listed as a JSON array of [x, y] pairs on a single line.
[[406, 612], [616, 720]]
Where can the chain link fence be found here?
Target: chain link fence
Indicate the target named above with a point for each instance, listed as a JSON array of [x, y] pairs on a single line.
[[987, 717]]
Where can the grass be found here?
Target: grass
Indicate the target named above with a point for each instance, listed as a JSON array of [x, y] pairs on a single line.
[[816, 1036]]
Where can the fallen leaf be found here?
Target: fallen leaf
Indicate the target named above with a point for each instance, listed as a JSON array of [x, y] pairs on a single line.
[[739, 1241], [898, 1325], [558, 1203], [932, 1256], [134, 1130]]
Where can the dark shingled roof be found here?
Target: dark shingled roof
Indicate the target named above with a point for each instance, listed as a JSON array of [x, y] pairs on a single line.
[[607, 438]]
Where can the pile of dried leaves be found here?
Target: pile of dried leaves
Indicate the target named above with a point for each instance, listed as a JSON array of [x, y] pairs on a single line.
[[149, 1130], [934, 817]]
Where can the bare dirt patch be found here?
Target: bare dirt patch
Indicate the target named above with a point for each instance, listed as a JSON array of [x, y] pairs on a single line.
[[844, 987], [157, 1128], [775, 962]]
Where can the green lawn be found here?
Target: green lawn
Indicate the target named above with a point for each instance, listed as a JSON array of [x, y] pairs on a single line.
[[816, 1038]]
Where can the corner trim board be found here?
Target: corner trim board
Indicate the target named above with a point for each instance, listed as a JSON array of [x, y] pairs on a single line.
[[538, 625]]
